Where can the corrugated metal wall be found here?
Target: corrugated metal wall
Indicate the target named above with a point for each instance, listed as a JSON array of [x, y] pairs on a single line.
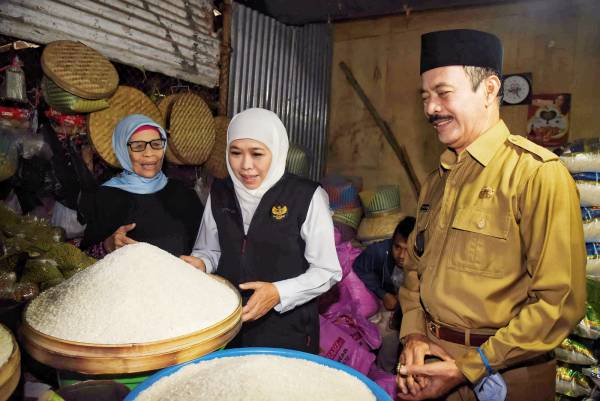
[[173, 37], [287, 70]]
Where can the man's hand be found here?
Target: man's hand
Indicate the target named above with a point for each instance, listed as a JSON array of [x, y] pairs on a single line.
[[390, 302], [416, 348], [119, 238], [443, 377], [194, 261], [264, 298]]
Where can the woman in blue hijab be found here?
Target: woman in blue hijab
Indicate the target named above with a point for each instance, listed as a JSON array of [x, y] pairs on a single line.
[[141, 204]]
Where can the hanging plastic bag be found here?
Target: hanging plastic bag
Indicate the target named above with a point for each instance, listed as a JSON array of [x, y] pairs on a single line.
[[572, 382], [574, 352], [66, 218]]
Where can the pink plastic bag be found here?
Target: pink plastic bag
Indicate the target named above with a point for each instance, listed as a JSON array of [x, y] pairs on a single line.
[[335, 344], [385, 380], [366, 302], [344, 316]]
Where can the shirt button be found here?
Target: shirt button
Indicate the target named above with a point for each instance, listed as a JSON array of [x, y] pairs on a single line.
[[481, 224]]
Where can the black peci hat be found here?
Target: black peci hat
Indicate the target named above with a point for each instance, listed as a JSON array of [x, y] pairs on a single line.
[[460, 47]]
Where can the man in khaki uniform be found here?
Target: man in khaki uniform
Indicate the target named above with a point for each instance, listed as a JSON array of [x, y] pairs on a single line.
[[496, 262]]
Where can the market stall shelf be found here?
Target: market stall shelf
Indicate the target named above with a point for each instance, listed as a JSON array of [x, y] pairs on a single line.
[[97, 359]]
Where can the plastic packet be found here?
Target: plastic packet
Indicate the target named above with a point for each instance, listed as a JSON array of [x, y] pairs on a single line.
[[593, 372], [591, 223], [574, 352], [572, 382], [588, 184], [582, 155], [589, 326], [593, 259]]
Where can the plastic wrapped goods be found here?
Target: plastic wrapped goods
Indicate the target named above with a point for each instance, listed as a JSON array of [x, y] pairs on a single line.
[[589, 326], [582, 155], [574, 352], [572, 382], [591, 223], [588, 184], [593, 259]]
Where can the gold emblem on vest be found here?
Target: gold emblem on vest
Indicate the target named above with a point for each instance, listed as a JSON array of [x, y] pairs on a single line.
[[279, 212]]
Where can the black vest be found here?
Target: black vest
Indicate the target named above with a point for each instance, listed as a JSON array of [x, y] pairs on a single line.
[[272, 250]]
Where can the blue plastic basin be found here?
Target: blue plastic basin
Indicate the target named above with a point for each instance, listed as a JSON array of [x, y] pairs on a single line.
[[379, 393]]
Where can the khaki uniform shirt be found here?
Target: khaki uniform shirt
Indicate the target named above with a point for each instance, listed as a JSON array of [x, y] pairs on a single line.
[[500, 231]]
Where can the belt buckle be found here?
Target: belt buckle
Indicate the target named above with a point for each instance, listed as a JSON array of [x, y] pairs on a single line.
[[434, 328]]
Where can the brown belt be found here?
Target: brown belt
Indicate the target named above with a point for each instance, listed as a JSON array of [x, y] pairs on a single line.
[[456, 335]]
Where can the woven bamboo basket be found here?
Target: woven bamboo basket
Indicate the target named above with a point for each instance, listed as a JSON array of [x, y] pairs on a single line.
[[66, 102], [97, 359], [191, 128], [10, 373], [216, 163], [79, 69], [101, 124], [165, 106]]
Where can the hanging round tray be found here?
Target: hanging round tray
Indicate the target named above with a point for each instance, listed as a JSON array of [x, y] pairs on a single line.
[[165, 106], [191, 128], [216, 163], [96, 359], [10, 372], [79, 69], [101, 124]]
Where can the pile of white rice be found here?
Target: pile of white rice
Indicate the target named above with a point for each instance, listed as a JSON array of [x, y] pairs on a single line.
[[6, 345], [258, 378], [137, 294]]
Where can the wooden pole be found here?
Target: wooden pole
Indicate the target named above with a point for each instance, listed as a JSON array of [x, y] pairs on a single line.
[[225, 59], [399, 149]]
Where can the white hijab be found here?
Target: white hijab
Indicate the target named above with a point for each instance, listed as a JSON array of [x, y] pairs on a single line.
[[263, 126]]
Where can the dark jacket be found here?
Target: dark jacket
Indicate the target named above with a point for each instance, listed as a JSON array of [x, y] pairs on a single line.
[[272, 250], [375, 266]]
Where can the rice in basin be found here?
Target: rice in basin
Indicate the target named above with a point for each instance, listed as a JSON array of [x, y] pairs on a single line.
[[6, 345], [136, 294], [257, 378]]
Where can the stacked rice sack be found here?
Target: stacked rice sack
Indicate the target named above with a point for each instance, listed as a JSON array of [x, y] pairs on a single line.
[[347, 334], [577, 374]]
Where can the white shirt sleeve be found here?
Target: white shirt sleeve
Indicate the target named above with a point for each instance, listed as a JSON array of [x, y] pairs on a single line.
[[324, 267], [207, 245]]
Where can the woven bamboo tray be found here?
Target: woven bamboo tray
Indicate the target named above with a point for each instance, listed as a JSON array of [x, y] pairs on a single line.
[[96, 359], [191, 128], [101, 124], [165, 106], [10, 373], [216, 163], [79, 69]]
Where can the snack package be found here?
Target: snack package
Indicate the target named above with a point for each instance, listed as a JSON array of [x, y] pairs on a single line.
[[574, 352], [572, 382]]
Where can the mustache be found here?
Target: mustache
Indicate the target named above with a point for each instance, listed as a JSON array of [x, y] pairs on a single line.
[[436, 117]]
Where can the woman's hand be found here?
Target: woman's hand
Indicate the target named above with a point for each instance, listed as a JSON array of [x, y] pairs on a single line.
[[264, 298], [194, 261], [119, 238]]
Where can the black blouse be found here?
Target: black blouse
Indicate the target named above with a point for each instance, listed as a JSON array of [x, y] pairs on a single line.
[[168, 219]]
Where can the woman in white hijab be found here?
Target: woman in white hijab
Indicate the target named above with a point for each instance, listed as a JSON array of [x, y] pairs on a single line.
[[271, 234]]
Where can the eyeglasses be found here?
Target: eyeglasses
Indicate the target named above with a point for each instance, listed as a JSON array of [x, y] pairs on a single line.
[[140, 146]]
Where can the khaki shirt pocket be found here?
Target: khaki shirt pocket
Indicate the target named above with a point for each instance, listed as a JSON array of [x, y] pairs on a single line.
[[478, 241]]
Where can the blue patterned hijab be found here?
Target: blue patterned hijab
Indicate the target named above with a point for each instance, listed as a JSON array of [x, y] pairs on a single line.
[[128, 180]]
